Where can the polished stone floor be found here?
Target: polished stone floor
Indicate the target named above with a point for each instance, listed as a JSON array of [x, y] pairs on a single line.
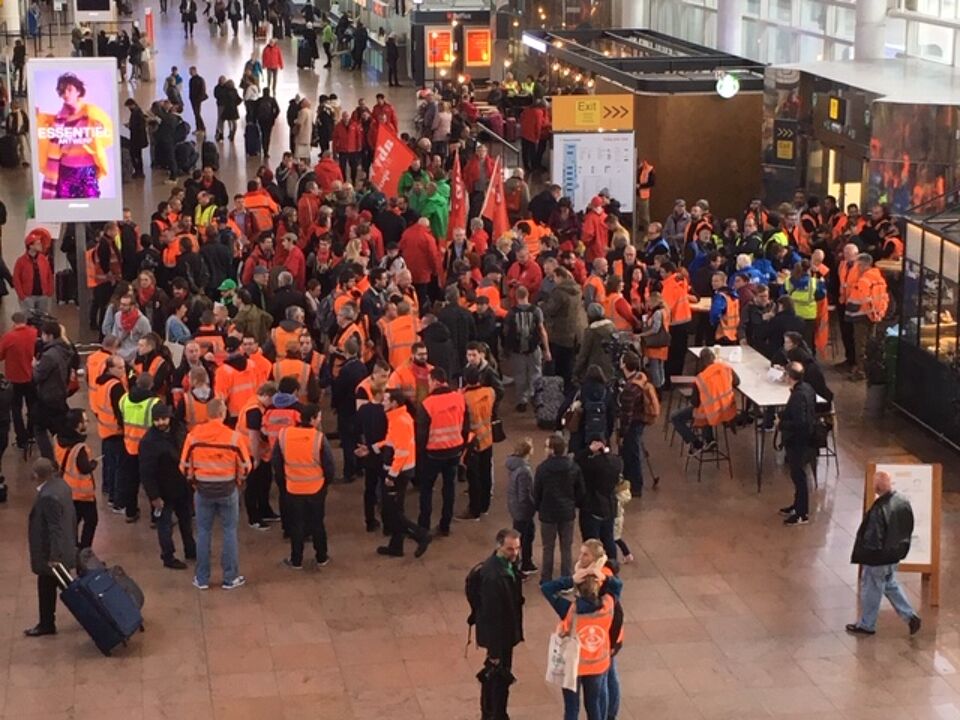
[[729, 614]]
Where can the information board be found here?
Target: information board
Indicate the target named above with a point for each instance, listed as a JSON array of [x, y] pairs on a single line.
[[439, 47], [478, 47], [586, 163]]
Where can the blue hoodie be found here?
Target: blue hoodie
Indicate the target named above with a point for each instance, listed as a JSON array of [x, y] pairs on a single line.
[[719, 304], [284, 400]]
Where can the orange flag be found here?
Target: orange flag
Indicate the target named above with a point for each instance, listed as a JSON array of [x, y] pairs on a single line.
[[495, 203], [390, 160], [458, 198]]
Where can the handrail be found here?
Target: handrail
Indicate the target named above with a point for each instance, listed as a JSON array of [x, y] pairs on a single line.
[[503, 141]]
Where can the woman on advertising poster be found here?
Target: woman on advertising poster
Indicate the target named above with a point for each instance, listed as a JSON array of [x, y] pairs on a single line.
[[73, 143]]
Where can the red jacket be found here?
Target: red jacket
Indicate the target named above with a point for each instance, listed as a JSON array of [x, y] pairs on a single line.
[[385, 115], [594, 235], [327, 171], [273, 57], [347, 138], [529, 275], [308, 210], [296, 264], [250, 264], [532, 121], [419, 250], [16, 350], [471, 173], [23, 276]]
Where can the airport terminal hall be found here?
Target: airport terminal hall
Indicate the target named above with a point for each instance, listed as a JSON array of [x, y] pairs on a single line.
[[479, 359]]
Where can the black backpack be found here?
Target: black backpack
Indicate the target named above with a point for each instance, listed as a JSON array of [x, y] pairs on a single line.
[[595, 417], [473, 589], [523, 329]]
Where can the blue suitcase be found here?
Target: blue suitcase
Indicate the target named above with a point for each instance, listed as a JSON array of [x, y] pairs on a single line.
[[251, 140], [104, 609]]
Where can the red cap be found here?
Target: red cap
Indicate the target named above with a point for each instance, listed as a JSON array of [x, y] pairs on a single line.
[[596, 202], [366, 215]]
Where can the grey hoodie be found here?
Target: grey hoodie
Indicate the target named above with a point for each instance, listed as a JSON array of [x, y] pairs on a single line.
[[520, 489]]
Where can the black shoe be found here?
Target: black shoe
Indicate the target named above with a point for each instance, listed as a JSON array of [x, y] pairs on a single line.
[[38, 630], [270, 517], [442, 532], [796, 520], [914, 624], [786, 511], [191, 556], [521, 407], [425, 543], [855, 629], [466, 515], [531, 568], [384, 550], [175, 564], [712, 445], [288, 563], [373, 526], [133, 518], [695, 448]]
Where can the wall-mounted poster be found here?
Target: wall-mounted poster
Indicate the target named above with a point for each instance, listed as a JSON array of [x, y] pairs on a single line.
[[94, 10], [478, 43], [74, 139]]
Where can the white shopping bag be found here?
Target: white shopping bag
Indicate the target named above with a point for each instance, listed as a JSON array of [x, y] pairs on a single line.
[[563, 660]]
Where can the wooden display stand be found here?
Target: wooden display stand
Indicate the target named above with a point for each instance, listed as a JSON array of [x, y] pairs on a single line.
[[923, 486]]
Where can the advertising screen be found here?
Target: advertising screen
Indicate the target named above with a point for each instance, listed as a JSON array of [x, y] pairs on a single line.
[[478, 45], [94, 10], [74, 139], [439, 47]]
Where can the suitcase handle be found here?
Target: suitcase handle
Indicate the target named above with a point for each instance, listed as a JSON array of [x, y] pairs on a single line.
[[62, 575]]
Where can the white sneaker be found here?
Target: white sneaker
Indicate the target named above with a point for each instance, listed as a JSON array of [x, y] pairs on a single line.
[[199, 586], [238, 581]]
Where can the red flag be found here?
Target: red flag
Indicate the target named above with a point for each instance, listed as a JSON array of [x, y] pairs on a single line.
[[495, 203], [390, 160], [458, 199]]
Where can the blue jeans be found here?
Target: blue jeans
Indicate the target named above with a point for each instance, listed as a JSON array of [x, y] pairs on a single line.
[[228, 510], [632, 453], [448, 470], [613, 690], [112, 462], [594, 691], [878, 581]]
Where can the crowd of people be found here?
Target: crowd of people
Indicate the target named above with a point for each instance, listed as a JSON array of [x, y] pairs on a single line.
[[227, 320]]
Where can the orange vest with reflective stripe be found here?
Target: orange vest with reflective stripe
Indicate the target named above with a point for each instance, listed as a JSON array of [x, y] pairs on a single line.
[[95, 274], [717, 402], [81, 484], [209, 334], [410, 295], [302, 450], [254, 404], [107, 424], [729, 326], [493, 295], [241, 386], [821, 335], [620, 323], [275, 420], [645, 170], [848, 275], [479, 401], [213, 453], [897, 248], [154, 366], [195, 411], [675, 292], [405, 378], [96, 362], [593, 632], [263, 367], [295, 368], [869, 294], [446, 411], [402, 438], [347, 333], [599, 293], [399, 335], [281, 337]]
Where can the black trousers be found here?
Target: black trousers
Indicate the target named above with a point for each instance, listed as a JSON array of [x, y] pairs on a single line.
[[349, 161], [495, 681], [528, 533], [393, 77], [183, 508], [529, 152], [562, 363], [130, 484], [23, 394], [47, 598], [265, 132], [395, 521], [677, 355], [479, 479], [846, 336], [305, 513], [47, 420], [797, 459], [256, 495], [101, 298], [371, 481], [87, 518], [327, 51], [197, 116], [136, 158], [447, 470], [346, 427]]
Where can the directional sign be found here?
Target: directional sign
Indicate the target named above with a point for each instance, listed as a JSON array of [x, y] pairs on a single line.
[[580, 113], [785, 142]]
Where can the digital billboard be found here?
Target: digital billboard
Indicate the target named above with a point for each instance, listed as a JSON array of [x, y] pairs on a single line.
[[94, 10], [74, 139]]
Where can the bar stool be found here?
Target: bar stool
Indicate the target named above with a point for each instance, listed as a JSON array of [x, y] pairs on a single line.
[[716, 453], [834, 345], [681, 393], [830, 451]]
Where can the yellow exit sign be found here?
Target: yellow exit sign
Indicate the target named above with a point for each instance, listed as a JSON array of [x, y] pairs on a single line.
[[579, 113]]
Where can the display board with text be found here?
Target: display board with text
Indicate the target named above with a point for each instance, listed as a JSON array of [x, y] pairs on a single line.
[[586, 163]]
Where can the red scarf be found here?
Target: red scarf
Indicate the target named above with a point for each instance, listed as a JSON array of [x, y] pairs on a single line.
[[129, 319], [145, 295]]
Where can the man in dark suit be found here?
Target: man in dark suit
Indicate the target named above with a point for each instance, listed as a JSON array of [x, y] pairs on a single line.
[[52, 537], [197, 90]]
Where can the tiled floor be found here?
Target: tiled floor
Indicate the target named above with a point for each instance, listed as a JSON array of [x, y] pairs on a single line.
[[730, 615]]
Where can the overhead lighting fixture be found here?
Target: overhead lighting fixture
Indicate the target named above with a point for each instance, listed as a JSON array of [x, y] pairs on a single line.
[[533, 43], [727, 85]]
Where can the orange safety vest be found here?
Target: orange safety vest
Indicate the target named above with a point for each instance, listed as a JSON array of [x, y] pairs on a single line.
[[236, 387], [81, 484], [897, 248], [399, 335], [154, 366], [620, 323], [821, 335], [281, 337], [242, 426], [348, 332], [275, 420], [213, 453], [717, 402], [645, 170], [263, 367], [195, 412], [95, 276], [848, 273], [302, 450], [593, 632], [479, 401], [107, 424], [402, 437], [599, 294], [675, 294], [659, 353], [493, 295], [345, 297], [446, 412], [839, 222], [729, 326], [870, 295], [295, 368], [208, 333], [804, 238], [96, 362], [410, 295], [405, 380]]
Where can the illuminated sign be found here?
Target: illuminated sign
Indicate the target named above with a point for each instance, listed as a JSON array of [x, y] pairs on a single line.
[[837, 109], [478, 45], [439, 47]]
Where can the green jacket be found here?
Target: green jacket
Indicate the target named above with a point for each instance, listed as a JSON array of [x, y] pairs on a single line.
[[326, 35], [408, 179], [436, 208]]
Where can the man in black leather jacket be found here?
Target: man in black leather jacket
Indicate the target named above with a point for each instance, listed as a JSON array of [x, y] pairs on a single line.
[[796, 428], [883, 540]]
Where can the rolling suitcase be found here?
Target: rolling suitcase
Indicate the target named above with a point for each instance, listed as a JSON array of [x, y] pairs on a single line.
[[547, 400], [210, 155], [104, 609], [304, 56], [8, 152], [66, 286], [186, 156], [510, 130], [251, 140]]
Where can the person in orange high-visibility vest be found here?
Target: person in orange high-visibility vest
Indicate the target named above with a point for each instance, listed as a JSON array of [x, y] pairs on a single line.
[[235, 380], [135, 409], [105, 393], [97, 360], [677, 298], [303, 464], [865, 308], [263, 368], [712, 404], [848, 272], [193, 410], [594, 290], [724, 311], [821, 333], [479, 460], [399, 335], [76, 464], [292, 366], [412, 378], [398, 452], [288, 331], [490, 289], [347, 327], [151, 358], [646, 179], [616, 307], [256, 495], [442, 429], [216, 459]]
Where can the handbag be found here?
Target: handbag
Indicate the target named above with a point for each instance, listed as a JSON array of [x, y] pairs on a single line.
[[659, 339], [563, 657], [499, 435]]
